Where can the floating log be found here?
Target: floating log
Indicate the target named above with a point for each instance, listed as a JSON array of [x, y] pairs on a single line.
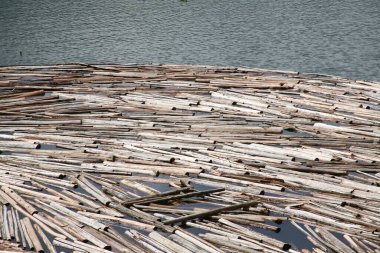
[[93, 158], [210, 212], [32, 235]]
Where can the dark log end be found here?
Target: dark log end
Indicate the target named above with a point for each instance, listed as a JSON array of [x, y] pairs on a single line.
[[108, 247], [286, 246]]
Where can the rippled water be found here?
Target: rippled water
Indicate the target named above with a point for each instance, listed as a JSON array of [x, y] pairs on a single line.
[[335, 37]]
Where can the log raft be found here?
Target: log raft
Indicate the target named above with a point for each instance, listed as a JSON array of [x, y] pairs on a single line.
[[180, 158]]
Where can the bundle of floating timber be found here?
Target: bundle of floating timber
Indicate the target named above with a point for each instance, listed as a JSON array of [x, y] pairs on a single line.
[[170, 158]]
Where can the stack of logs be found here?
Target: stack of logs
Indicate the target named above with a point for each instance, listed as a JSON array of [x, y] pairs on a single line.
[[170, 158]]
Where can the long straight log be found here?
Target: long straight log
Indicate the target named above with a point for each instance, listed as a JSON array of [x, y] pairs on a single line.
[[46, 240], [6, 226], [209, 213], [33, 236], [168, 243], [22, 234], [27, 236], [162, 194], [90, 222]]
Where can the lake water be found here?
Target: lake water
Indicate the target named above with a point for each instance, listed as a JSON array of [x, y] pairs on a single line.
[[333, 37]]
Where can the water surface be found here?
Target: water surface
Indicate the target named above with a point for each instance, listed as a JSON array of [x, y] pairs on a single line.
[[333, 37]]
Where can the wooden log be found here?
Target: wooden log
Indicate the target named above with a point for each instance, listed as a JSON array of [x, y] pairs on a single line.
[[90, 188], [27, 236], [209, 213], [256, 235], [338, 245], [10, 224], [130, 223], [180, 196], [46, 240], [162, 194], [226, 179], [353, 244], [76, 245], [33, 236], [15, 226], [147, 242], [29, 208], [81, 218], [199, 242], [168, 243], [232, 243], [6, 226], [22, 234]]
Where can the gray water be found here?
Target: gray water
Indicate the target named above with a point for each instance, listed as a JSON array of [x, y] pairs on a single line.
[[331, 37]]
